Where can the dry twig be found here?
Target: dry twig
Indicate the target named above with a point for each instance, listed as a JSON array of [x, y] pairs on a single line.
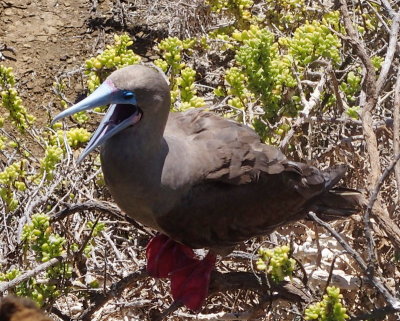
[[396, 130], [370, 92], [390, 298], [308, 106], [4, 286]]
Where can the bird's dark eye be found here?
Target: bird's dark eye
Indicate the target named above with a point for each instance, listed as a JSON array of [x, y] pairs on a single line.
[[127, 94]]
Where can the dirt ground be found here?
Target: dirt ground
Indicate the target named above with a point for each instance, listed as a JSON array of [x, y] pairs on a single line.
[[44, 39], [41, 39]]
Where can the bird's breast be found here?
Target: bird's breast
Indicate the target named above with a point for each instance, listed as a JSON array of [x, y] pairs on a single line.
[[139, 192]]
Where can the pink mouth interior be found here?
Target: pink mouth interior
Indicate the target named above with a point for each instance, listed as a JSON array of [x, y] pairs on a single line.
[[121, 112]]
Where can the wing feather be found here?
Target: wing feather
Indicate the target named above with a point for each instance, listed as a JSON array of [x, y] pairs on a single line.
[[238, 186], [235, 152]]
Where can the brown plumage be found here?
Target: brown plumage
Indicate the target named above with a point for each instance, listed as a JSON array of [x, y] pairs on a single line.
[[240, 187], [20, 309], [203, 180]]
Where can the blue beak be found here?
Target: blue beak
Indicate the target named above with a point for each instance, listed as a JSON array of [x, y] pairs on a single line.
[[116, 118]]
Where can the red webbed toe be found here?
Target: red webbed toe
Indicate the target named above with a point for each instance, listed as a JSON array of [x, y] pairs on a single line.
[[159, 258], [189, 284], [190, 277]]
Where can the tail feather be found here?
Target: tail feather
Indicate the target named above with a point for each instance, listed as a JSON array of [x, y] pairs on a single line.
[[337, 202]]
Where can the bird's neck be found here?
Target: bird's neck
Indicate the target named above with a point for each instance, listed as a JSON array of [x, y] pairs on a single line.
[[132, 164], [133, 148]]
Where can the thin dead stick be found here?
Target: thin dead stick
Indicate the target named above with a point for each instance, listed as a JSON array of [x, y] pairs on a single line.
[[392, 300], [70, 209], [112, 244], [308, 106], [168, 311], [335, 86], [59, 314], [396, 131], [4, 286], [388, 7], [382, 21], [103, 207], [378, 185], [387, 64], [222, 282], [115, 291], [371, 202], [341, 240]]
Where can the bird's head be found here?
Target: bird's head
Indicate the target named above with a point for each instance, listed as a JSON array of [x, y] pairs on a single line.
[[133, 93]]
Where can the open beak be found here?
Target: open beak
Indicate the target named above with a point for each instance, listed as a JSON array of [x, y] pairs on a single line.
[[122, 113]]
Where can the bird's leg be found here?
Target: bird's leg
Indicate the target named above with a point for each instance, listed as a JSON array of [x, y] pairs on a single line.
[[189, 276]]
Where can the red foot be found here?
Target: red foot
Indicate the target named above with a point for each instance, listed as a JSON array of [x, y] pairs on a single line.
[[164, 255], [189, 276], [190, 283]]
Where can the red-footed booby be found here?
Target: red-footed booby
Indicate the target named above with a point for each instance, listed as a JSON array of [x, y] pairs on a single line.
[[202, 181]]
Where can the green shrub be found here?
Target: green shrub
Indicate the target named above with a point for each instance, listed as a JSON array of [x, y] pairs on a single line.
[[276, 262], [330, 308]]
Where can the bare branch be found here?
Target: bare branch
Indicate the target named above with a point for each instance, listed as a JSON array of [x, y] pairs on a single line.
[[308, 106], [369, 90], [4, 286], [387, 64], [100, 299], [356, 256], [103, 207], [396, 130], [388, 7], [220, 282], [378, 185]]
